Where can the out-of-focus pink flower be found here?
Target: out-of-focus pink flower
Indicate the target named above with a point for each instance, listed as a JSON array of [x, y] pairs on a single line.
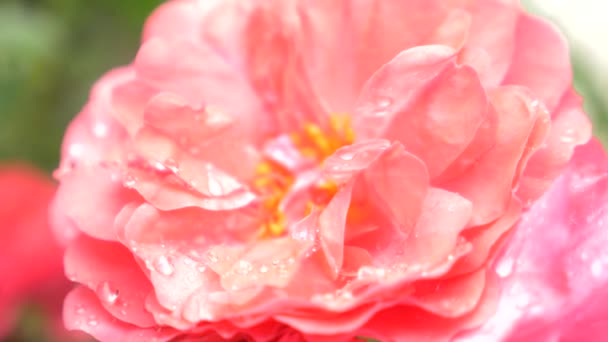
[[32, 262], [289, 170]]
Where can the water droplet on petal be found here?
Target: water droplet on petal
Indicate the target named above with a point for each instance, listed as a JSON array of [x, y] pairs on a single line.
[[597, 268], [347, 156], [384, 102], [505, 268], [215, 188], [163, 265], [212, 257], [243, 267], [107, 293], [172, 165], [263, 269], [130, 181], [100, 130]]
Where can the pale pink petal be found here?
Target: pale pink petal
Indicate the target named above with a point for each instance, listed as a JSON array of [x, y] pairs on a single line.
[[276, 69], [453, 31], [492, 34], [407, 75], [385, 28], [403, 323], [444, 216], [433, 120], [350, 160], [119, 284], [168, 185], [541, 61], [488, 184], [453, 297], [329, 47], [83, 311], [174, 66], [268, 262], [95, 218], [485, 239], [331, 227], [484, 140], [400, 182], [188, 133], [570, 128], [128, 101]]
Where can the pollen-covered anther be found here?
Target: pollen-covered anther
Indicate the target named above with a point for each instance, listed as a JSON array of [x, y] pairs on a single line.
[[273, 181]]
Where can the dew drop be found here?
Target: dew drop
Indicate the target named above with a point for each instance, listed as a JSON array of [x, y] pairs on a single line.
[[92, 322], [263, 269], [243, 267], [215, 188], [107, 293], [100, 130], [80, 310], [212, 257], [535, 104], [597, 268], [172, 165], [505, 268], [160, 167], [384, 102], [163, 265], [347, 156], [130, 181]]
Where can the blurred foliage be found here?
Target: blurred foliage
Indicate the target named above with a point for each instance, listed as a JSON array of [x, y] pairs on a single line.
[[51, 52]]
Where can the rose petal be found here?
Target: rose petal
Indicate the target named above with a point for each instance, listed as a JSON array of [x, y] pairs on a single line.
[[488, 184], [116, 278], [434, 120], [541, 60], [557, 292], [95, 218], [82, 311]]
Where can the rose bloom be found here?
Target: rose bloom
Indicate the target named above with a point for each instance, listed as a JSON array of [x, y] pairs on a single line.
[[31, 267], [329, 170]]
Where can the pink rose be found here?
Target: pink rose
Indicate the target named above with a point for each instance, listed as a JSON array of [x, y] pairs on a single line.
[[321, 170], [31, 261]]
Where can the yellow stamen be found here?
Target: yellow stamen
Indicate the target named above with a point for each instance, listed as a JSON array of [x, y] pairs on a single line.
[[274, 181], [263, 168]]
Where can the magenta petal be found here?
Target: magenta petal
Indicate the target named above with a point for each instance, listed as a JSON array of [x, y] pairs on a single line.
[[555, 268]]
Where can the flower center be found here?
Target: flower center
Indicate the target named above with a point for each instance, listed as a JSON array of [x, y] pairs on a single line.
[[274, 181]]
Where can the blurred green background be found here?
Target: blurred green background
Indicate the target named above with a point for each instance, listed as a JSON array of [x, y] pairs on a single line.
[[51, 52]]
